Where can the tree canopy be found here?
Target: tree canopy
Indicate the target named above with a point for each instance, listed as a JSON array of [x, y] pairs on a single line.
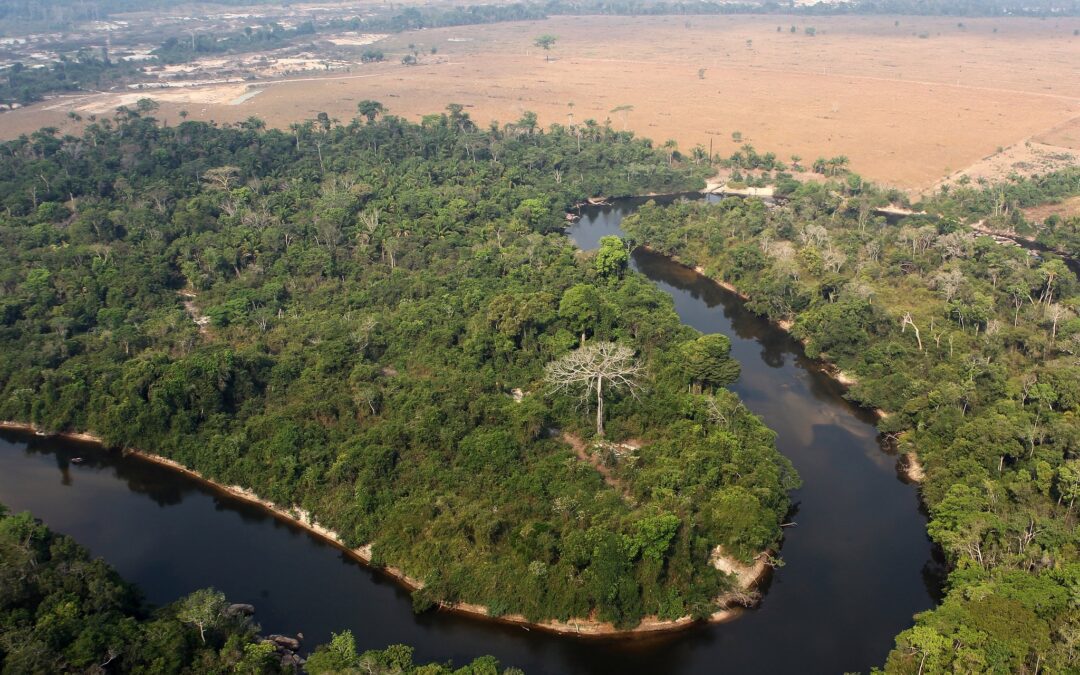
[[354, 320]]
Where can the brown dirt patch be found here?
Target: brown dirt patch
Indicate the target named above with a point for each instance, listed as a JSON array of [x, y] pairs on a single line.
[[1065, 209], [197, 317], [1065, 135], [1022, 159], [906, 110], [595, 461]]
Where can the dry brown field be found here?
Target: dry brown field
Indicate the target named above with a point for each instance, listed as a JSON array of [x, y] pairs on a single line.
[[909, 100], [1065, 135], [1063, 209]]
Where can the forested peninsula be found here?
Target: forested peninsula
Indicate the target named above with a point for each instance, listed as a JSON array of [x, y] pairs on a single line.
[[381, 324], [970, 349]]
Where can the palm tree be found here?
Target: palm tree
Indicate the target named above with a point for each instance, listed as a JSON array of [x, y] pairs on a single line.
[[370, 109], [671, 146], [838, 165], [623, 111]]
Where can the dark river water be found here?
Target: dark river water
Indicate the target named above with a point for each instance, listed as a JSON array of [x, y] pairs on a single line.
[[858, 563]]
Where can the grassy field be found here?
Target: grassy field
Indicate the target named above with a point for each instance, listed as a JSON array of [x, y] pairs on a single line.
[[909, 100]]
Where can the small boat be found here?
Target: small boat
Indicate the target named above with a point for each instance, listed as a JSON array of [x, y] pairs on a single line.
[[77, 460]]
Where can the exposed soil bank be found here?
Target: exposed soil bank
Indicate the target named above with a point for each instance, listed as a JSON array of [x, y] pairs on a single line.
[[749, 576]]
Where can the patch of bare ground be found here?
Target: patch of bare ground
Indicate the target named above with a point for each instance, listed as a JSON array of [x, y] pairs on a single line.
[[593, 455], [912, 468], [1026, 158], [746, 576], [197, 317], [1066, 135], [1063, 209]]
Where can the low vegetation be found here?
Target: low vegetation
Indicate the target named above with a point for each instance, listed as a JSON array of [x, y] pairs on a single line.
[[271, 36]]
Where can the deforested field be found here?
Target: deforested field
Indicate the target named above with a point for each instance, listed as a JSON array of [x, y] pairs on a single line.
[[909, 100]]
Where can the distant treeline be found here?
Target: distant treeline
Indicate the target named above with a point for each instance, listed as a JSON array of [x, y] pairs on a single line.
[[22, 85], [63, 12], [181, 50], [414, 18], [60, 13]]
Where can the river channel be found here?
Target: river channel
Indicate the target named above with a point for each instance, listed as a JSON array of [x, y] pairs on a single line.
[[858, 562]]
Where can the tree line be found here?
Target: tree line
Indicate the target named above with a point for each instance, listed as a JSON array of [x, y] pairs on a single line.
[[79, 72], [61, 13]]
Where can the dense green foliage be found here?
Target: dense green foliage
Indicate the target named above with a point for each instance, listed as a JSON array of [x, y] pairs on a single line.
[[971, 347], [374, 293], [62, 611], [339, 657]]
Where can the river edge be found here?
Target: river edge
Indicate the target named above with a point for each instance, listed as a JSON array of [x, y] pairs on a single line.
[[907, 463], [750, 577]]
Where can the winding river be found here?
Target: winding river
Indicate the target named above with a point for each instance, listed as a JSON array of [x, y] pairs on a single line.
[[858, 562]]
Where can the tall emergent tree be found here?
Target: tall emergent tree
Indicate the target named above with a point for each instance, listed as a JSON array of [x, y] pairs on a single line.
[[545, 42], [589, 368], [708, 363], [370, 109], [203, 609], [612, 258]]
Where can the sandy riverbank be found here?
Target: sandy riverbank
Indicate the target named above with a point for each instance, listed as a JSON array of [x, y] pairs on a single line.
[[749, 576]]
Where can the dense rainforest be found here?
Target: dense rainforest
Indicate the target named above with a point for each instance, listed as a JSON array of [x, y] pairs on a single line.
[[971, 349], [62, 611], [380, 323]]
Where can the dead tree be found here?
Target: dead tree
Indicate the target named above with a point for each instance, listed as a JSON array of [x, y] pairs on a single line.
[[591, 369], [908, 321]]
